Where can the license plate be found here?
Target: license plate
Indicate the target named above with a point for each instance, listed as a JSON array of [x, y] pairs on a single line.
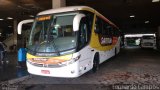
[[45, 71]]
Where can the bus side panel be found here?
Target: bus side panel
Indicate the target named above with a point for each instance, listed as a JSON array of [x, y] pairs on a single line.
[[95, 43], [107, 51], [86, 59]]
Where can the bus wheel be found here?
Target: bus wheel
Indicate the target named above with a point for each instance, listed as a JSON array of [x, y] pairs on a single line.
[[95, 63]]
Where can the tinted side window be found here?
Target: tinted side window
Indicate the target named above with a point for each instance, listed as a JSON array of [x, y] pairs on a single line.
[[116, 32], [98, 25], [89, 20], [83, 33], [105, 35]]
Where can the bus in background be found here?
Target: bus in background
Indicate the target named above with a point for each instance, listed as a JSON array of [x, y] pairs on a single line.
[[69, 41], [148, 41]]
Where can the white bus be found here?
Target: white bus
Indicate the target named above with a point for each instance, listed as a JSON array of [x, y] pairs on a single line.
[[148, 41], [69, 41]]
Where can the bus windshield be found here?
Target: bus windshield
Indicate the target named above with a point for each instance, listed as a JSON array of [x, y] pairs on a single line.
[[52, 35], [148, 37]]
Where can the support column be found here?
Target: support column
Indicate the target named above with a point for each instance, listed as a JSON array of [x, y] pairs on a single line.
[[58, 3], [15, 32], [158, 38]]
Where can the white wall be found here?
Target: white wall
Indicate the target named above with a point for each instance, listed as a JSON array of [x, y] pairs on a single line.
[[10, 41]]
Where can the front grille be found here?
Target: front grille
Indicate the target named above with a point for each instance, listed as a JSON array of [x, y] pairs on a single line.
[[148, 44], [45, 65], [38, 65]]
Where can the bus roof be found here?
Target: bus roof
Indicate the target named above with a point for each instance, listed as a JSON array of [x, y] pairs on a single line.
[[65, 9], [75, 8]]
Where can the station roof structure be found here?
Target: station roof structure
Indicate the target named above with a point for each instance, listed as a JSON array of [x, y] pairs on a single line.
[[132, 16]]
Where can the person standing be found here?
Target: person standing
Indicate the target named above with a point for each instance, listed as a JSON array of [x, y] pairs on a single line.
[[2, 51]]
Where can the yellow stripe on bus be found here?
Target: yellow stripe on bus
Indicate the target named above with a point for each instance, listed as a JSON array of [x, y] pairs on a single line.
[[65, 57]]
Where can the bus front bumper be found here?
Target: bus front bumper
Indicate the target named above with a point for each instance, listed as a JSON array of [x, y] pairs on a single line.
[[68, 71]]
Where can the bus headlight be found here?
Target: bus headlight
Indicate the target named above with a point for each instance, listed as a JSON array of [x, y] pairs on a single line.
[[70, 61]]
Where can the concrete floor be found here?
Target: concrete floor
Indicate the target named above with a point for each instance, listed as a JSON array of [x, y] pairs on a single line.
[[11, 69], [132, 66]]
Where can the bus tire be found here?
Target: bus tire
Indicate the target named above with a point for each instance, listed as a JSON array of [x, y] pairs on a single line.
[[95, 63]]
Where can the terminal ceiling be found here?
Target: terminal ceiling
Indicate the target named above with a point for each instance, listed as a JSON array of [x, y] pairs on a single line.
[[146, 14]]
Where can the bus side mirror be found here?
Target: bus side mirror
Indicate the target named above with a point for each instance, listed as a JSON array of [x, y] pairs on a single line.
[[19, 28], [76, 21]]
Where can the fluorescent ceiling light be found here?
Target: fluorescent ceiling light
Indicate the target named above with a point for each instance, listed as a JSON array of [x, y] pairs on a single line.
[[1, 19], [9, 18], [155, 0], [31, 16], [146, 22], [138, 35], [9, 26], [132, 16]]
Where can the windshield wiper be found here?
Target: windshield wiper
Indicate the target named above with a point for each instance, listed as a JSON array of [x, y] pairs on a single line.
[[55, 47]]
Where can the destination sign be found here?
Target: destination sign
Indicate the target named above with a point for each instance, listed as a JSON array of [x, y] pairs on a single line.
[[43, 18]]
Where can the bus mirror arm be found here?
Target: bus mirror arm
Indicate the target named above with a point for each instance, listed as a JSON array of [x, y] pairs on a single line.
[[19, 28], [76, 21]]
